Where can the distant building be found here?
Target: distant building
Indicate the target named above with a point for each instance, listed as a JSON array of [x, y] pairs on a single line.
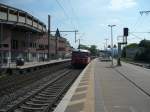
[[22, 35], [69, 49]]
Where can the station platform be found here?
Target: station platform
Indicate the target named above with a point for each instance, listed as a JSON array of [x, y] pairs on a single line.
[[33, 64], [80, 97], [102, 87]]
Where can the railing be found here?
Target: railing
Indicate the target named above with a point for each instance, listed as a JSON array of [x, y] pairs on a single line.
[[13, 15]]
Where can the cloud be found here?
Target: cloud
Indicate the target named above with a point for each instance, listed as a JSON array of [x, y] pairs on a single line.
[[121, 4]]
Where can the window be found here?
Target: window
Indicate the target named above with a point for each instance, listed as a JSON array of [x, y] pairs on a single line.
[[31, 44], [5, 45], [46, 46], [14, 44], [23, 44], [34, 45]]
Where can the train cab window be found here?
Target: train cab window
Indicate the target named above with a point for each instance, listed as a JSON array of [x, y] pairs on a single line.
[[81, 54]]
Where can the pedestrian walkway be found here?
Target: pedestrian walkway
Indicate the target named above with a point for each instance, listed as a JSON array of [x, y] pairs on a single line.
[[105, 88]]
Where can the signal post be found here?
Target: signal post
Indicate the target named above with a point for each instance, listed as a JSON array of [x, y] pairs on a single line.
[[125, 35]]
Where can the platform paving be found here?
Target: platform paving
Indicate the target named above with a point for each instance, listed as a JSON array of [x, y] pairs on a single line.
[[80, 97], [105, 88], [115, 93]]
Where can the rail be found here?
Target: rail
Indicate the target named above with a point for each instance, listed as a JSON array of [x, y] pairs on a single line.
[[43, 98]]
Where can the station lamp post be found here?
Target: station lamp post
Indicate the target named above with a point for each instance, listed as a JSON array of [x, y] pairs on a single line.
[[111, 26]]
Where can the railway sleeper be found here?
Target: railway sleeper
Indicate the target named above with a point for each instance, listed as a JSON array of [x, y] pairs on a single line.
[[45, 95], [32, 109], [53, 88], [50, 92], [40, 101], [44, 98], [45, 92], [2, 110], [22, 110], [36, 104], [51, 96]]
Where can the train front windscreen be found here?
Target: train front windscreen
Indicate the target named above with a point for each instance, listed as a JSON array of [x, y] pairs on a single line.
[[80, 54]]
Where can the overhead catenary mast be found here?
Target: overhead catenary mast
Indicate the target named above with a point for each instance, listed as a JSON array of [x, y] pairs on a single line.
[[106, 43], [49, 31]]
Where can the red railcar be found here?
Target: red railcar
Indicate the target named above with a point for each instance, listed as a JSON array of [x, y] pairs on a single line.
[[80, 57]]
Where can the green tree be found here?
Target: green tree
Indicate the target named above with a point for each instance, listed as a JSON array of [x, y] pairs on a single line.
[[144, 53], [133, 45], [93, 50], [145, 43]]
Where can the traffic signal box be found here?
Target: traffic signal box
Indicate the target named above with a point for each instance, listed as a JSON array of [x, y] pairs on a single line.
[[125, 32]]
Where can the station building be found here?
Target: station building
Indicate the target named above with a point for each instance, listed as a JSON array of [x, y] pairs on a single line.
[[22, 35]]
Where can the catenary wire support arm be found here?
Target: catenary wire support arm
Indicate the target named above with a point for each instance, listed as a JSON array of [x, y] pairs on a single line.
[[75, 31], [144, 12]]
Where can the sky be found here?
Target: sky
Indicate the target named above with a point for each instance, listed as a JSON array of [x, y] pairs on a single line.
[[91, 18]]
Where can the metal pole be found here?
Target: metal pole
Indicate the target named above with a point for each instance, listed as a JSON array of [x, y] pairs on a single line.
[[29, 36], [9, 54], [1, 36], [49, 36], [75, 36], [79, 43], [111, 45], [125, 46], [104, 46], [56, 46], [119, 54], [111, 42], [106, 43]]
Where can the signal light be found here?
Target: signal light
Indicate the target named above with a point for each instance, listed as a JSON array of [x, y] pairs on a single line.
[[125, 31]]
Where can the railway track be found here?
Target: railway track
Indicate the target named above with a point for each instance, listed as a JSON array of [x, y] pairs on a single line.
[[45, 97], [12, 83]]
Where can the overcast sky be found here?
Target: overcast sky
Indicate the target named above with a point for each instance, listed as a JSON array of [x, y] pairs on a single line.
[[91, 17]]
